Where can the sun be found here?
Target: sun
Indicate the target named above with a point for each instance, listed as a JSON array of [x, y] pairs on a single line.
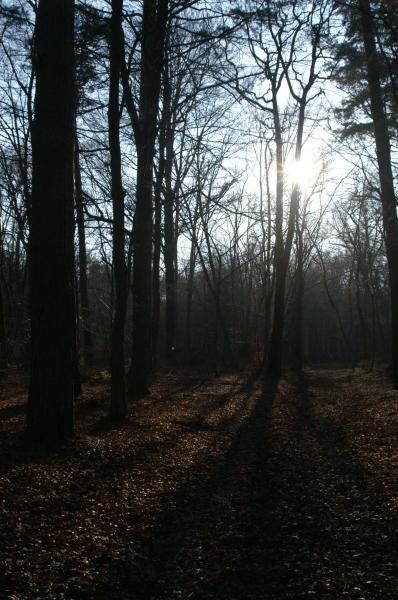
[[303, 172], [298, 172]]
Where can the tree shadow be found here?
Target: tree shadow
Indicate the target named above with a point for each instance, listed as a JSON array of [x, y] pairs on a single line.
[[219, 501], [331, 434], [357, 483], [222, 509]]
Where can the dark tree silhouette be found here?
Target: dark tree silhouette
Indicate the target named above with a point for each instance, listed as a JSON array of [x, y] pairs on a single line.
[[118, 394], [383, 152], [87, 338], [51, 245], [144, 121]]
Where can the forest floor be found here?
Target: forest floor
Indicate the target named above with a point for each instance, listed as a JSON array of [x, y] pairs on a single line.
[[216, 488]]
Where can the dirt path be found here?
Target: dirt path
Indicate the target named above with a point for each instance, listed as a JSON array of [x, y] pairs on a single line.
[[215, 490]]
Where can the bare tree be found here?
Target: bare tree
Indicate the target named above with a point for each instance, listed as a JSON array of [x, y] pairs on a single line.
[[144, 122]]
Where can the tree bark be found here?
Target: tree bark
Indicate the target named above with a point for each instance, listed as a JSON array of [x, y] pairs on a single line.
[[3, 335], [152, 50], [189, 296], [383, 152], [83, 285], [157, 243], [51, 244], [283, 249], [118, 387], [169, 229], [3, 339], [274, 359], [297, 354]]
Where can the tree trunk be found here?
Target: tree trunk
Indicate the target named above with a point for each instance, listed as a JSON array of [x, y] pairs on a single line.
[[361, 317], [298, 305], [83, 286], [118, 388], [268, 280], [3, 335], [152, 49], [3, 339], [274, 359], [213, 281], [157, 243], [189, 296], [51, 244], [169, 235], [383, 152], [283, 249]]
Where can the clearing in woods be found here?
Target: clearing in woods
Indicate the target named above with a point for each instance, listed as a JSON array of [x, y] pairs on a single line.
[[216, 488]]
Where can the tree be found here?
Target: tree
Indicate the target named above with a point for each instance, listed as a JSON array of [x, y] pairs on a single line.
[[118, 391], [51, 243], [350, 69], [286, 42], [82, 280], [144, 122], [90, 30], [383, 152]]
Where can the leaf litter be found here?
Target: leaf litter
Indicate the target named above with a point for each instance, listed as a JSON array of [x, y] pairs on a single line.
[[214, 488]]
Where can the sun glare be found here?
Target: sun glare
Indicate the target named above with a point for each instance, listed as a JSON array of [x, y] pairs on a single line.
[[303, 172]]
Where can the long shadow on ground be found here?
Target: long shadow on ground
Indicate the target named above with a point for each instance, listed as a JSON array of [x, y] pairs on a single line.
[[365, 529], [211, 542]]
